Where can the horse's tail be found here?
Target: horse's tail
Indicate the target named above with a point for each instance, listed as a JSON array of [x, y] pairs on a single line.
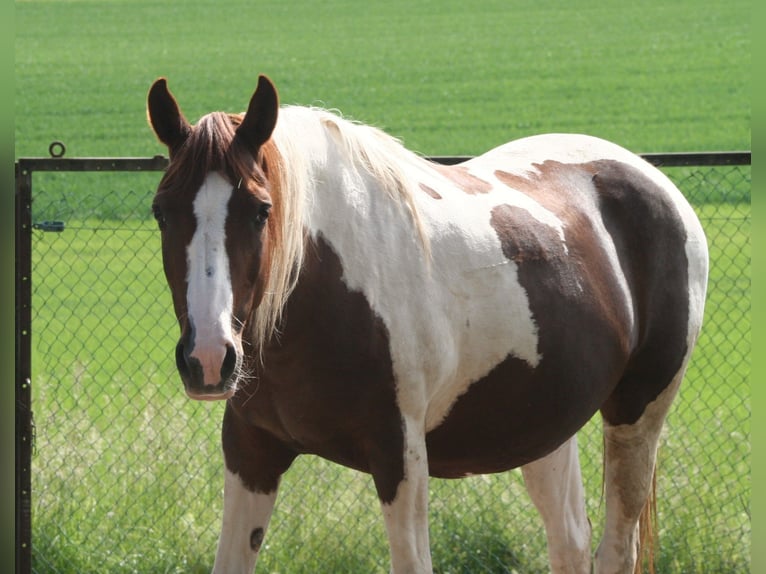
[[647, 530]]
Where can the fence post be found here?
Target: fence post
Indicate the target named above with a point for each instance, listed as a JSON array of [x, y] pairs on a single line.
[[23, 391]]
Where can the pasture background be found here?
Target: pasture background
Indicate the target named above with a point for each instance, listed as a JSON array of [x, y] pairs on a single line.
[[448, 78]]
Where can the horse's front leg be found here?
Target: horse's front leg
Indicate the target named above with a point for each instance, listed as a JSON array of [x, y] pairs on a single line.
[[255, 461], [554, 483], [246, 515], [401, 480]]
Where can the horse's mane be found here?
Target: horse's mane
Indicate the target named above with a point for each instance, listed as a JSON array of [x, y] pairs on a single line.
[[286, 160], [289, 157]]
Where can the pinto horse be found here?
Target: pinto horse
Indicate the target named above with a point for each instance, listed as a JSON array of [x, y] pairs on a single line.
[[350, 299]]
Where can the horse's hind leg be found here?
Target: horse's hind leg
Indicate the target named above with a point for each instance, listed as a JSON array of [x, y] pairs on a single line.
[[629, 451], [555, 485]]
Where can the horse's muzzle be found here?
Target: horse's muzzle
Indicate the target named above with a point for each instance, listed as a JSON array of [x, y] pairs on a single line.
[[211, 381]]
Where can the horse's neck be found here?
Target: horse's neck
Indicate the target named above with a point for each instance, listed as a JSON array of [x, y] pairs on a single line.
[[362, 220]]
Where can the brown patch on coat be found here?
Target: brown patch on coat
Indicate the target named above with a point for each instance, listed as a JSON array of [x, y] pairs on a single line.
[[584, 274], [518, 413], [463, 179], [649, 237], [326, 385], [531, 241], [430, 191], [256, 539]]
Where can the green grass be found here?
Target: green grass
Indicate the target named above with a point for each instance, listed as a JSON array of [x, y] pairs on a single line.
[[127, 472], [449, 77]]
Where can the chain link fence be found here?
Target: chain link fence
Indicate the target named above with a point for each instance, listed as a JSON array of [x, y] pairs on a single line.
[[126, 473]]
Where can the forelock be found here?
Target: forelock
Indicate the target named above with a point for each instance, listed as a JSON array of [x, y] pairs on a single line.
[[210, 147]]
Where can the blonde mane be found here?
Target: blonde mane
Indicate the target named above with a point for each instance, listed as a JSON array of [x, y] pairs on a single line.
[[289, 158]]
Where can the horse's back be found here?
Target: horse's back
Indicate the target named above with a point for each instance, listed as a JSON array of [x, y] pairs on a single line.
[[585, 187]]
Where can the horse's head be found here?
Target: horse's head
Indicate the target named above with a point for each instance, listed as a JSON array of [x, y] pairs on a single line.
[[212, 206]]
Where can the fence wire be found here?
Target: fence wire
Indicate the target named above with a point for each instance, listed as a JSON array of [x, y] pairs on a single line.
[[127, 473]]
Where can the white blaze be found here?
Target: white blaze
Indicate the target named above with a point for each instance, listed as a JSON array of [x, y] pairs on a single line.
[[209, 295]]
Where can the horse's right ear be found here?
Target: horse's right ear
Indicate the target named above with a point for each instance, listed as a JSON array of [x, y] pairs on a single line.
[[165, 117]]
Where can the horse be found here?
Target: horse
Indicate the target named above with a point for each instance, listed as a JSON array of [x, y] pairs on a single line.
[[351, 299]]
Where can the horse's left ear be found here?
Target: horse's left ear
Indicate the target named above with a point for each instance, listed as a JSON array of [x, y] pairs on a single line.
[[261, 117]]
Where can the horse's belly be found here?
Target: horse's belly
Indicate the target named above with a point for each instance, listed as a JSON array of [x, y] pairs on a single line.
[[514, 415]]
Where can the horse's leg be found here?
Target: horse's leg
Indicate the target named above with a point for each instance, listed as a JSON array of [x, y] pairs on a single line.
[[630, 451], [555, 485], [255, 462], [404, 502], [246, 515]]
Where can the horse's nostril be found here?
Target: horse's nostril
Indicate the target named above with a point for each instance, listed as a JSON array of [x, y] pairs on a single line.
[[229, 362], [200, 367], [182, 363]]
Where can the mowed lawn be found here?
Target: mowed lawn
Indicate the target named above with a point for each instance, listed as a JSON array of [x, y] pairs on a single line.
[[448, 77], [127, 474]]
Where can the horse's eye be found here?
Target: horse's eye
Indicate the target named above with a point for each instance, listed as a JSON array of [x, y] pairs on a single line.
[[159, 216], [262, 214]]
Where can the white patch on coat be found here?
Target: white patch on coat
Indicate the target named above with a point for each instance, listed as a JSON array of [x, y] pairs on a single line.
[[209, 293], [451, 319], [243, 512]]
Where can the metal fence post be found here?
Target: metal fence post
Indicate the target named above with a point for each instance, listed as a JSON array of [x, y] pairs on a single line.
[[24, 424]]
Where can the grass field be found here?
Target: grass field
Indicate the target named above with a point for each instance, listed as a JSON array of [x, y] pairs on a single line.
[[448, 77], [128, 472]]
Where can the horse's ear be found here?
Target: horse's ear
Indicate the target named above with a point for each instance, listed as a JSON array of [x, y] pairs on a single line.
[[165, 117], [261, 116]]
